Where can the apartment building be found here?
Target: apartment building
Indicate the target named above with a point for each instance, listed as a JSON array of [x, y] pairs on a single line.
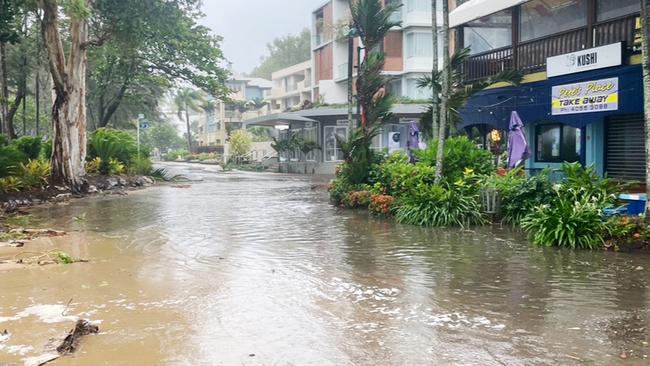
[[291, 87], [408, 50], [582, 95], [217, 119]]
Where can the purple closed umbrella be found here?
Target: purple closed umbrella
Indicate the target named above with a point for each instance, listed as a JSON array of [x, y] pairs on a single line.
[[414, 136], [518, 149]]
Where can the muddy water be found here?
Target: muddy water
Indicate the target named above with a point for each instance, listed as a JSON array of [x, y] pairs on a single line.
[[248, 269]]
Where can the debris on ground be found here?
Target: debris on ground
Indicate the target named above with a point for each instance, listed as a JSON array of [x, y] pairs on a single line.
[[69, 345], [43, 258]]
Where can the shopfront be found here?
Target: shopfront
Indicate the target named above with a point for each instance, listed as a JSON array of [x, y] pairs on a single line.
[[587, 108]]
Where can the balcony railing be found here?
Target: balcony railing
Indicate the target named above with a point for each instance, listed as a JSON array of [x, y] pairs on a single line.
[[530, 56]]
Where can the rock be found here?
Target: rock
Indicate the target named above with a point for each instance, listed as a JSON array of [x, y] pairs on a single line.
[[148, 180], [63, 197], [92, 189], [111, 183], [639, 268], [122, 182], [36, 201]]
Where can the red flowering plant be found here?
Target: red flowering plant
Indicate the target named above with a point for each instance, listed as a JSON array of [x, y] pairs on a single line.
[[381, 204]]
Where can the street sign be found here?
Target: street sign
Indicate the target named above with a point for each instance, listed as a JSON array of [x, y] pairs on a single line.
[[144, 126]]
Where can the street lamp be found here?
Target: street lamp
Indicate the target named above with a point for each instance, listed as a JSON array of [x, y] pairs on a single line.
[[352, 33]]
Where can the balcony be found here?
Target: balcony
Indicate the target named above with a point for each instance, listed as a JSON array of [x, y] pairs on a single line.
[[342, 71], [530, 56]]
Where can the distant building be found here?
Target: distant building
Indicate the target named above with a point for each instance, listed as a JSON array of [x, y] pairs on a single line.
[[291, 88], [408, 50], [219, 118]]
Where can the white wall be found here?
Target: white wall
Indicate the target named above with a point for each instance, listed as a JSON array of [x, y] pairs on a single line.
[[332, 92]]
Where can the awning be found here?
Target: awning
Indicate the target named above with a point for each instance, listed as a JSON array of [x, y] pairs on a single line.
[[492, 107], [476, 9], [277, 119]]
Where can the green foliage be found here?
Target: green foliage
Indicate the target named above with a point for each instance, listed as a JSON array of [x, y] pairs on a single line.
[[624, 232], [358, 155], [94, 166], [460, 154], [357, 199], [589, 181], [519, 194], [573, 220], [46, 150], [261, 134], [284, 52], [10, 160], [339, 189], [140, 166], [115, 167], [112, 145], [10, 184], [34, 173], [176, 154], [29, 146], [439, 205], [240, 143], [399, 178]]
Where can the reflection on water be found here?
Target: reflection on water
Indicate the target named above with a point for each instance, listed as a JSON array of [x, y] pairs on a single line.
[[259, 269]]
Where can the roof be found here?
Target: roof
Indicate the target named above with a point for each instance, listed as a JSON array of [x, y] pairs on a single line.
[[307, 114], [476, 9], [259, 82], [277, 118], [291, 70]]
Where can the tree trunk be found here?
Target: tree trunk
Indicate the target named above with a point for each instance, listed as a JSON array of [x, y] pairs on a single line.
[[8, 127], [444, 99], [435, 99], [645, 19], [69, 107], [189, 133], [11, 114]]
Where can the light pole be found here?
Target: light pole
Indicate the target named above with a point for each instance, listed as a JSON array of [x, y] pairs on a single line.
[[352, 33]]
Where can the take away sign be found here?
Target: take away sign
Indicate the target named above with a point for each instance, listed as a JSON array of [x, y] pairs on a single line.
[[585, 97]]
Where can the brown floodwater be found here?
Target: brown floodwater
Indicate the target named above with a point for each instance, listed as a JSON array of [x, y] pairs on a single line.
[[258, 269]]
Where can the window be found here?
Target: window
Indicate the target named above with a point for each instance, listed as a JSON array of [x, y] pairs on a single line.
[[489, 33], [415, 92], [310, 134], [419, 44], [418, 5], [608, 9], [540, 18], [332, 148], [558, 143]]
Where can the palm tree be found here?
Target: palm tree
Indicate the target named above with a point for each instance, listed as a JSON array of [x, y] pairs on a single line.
[[372, 21], [445, 90], [187, 100], [459, 92], [645, 19], [434, 30]]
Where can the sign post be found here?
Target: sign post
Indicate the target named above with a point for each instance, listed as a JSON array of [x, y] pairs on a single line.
[[141, 124]]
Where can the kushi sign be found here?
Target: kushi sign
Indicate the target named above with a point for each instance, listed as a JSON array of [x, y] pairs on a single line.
[[586, 97], [585, 60]]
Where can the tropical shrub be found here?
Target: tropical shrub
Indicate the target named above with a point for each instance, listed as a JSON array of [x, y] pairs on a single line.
[[29, 146], [93, 166], [460, 154], [399, 177], [589, 182], [10, 184], [626, 232], [339, 189], [115, 167], [519, 194], [573, 220], [141, 166], [357, 199], [381, 204], [176, 154], [439, 205], [10, 160], [110, 144], [34, 173], [46, 150]]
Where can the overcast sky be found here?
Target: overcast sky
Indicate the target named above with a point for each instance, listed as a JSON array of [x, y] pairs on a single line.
[[248, 25]]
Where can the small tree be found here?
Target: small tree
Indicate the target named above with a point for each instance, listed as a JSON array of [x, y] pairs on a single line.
[[240, 144], [187, 100]]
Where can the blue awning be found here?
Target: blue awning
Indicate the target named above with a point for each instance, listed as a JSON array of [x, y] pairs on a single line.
[[492, 107]]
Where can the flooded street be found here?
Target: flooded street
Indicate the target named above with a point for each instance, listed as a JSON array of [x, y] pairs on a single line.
[[259, 269]]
